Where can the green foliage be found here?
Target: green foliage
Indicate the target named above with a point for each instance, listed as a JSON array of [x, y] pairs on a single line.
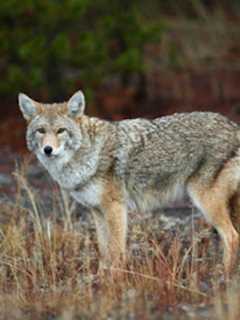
[[50, 47]]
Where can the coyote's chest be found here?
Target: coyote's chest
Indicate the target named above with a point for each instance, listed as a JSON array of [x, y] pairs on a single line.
[[79, 182], [89, 195], [72, 175], [67, 178]]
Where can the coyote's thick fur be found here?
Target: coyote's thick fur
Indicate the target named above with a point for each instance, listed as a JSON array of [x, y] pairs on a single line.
[[104, 165]]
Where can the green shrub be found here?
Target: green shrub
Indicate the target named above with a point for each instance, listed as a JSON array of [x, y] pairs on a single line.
[[50, 47]]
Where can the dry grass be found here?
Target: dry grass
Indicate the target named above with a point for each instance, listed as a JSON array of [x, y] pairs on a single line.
[[48, 268]]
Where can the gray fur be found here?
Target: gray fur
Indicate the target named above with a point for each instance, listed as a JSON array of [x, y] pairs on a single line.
[[76, 104], [105, 165], [27, 106], [152, 159]]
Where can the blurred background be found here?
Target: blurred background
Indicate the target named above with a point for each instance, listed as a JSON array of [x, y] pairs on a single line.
[[131, 58]]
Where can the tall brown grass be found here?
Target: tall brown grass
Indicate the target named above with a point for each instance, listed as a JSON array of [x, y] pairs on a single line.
[[49, 267]]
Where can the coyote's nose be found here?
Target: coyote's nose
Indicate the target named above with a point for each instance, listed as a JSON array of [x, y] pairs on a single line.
[[48, 150]]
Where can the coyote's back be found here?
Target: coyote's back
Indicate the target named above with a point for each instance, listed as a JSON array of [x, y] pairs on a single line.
[[105, 164], [161, 156]]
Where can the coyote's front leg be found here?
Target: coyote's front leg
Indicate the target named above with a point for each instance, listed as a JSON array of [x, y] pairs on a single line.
[[111, 227]]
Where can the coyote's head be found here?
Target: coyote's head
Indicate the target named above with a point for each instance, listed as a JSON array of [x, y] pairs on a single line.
[[53, 129]]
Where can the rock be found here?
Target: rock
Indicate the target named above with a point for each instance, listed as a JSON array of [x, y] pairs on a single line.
[[5, 180]]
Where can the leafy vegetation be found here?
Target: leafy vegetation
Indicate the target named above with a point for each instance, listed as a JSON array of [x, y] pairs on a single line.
[[48, 46]]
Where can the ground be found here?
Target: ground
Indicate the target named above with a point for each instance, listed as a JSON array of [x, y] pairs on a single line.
[[49, 258]]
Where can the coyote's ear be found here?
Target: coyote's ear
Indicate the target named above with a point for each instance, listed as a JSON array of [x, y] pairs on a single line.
[[27, 106], [76, 104]]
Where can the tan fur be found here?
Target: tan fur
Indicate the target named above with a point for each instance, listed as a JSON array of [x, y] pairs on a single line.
[[50, 139], [234, 205], [114, 206], [213, 201]]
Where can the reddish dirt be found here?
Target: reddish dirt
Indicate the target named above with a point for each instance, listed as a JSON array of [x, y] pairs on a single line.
[[12, 130]]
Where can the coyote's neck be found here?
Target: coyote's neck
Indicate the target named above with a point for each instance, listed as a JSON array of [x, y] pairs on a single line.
[[74, 173]]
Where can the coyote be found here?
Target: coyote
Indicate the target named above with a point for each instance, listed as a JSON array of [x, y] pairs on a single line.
[[106, 165]]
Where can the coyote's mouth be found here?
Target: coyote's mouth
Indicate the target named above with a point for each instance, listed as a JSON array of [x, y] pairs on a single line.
[[52, 156]]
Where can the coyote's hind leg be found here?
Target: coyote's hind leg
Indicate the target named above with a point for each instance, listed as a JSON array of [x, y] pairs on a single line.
[[213, 202], [234, 205]]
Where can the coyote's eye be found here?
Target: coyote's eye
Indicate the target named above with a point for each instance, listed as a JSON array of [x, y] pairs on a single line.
[[41, 130], [61, 130]]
